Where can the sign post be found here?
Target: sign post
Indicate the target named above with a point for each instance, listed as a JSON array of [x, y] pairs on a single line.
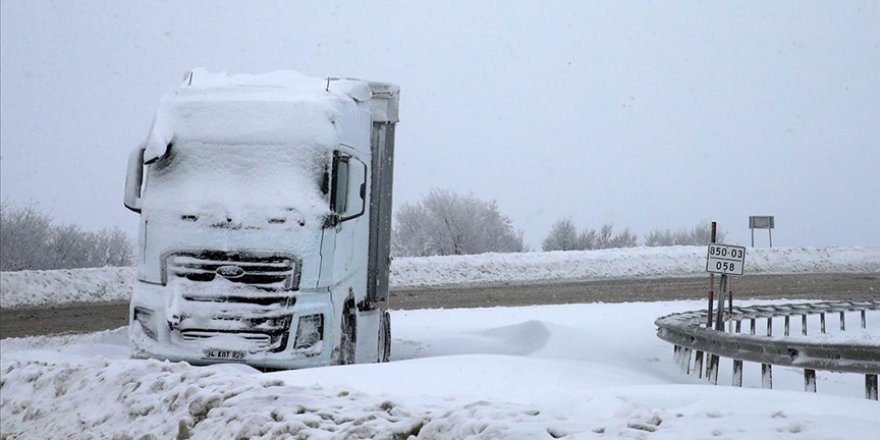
[[698, 356], [761, 222], [725, 260]]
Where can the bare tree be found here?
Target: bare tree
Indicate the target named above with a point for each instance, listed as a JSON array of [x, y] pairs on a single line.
[[24, 234], [605, 238], [562, 237], [624, 239], [118, 248], [693, 236], [446, 223], [587, 239], [71, 248]]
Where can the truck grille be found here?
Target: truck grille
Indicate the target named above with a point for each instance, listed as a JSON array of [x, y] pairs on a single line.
[[267, 334], [266, 272], [268, 300]]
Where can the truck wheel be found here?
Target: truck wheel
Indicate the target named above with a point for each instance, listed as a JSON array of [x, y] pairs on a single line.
[[348, 340], [385, 337]]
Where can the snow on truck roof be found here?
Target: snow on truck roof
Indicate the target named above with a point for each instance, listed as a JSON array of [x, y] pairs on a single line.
[[278, 107], [281, 85]]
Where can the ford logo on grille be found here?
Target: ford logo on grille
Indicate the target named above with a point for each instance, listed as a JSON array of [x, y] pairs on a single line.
[[230, 272]]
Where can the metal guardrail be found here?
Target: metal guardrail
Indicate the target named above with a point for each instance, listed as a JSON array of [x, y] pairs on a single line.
[[687, 332]]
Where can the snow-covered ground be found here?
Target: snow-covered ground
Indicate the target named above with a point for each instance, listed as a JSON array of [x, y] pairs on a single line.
[[541, 372], [573, 371], [34, 288]]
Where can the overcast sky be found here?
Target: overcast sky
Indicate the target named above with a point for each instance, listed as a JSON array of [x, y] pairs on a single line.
[[643, 114]]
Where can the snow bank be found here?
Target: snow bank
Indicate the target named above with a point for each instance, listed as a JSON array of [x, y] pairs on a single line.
[[38, 288], [620, 263], [55, 287], [162, 400], [540, 372]]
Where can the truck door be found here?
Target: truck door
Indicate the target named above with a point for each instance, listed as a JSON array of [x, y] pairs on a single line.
[[348, 203]]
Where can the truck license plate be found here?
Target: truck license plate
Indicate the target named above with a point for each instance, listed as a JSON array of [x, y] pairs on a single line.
[[214, 353]]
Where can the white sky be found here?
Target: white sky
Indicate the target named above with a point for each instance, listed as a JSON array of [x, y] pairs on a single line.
[[644, 114]]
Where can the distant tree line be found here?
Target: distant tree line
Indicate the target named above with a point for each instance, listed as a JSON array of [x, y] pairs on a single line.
[[563, 236], [446, 223], [696, 235], [29, 240]]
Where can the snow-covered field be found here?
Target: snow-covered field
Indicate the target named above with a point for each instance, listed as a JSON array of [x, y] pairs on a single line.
[[541, 372], [35, 288]]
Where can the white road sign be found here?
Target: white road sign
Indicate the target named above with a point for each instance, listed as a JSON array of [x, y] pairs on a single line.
[[723, 258]]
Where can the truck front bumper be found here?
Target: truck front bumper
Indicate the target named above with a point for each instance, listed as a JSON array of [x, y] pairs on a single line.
[[261, 331]]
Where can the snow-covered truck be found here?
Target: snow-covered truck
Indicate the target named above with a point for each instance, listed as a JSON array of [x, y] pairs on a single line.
[[265, 221]]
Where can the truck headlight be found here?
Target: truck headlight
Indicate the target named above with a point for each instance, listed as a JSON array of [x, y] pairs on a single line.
[[309, 331]]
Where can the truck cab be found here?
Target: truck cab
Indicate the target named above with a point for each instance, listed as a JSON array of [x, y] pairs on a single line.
[[265, 219]]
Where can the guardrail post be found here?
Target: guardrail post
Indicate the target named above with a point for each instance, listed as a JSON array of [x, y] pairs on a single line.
[[810, 381], [871, 386], [842, 322], [767, 376], [770, 326], [714, 359], [787, 319], [719, 318], [713, 375], [822, 322], [682, 356], [864, 321], [804, 324], [737, 373], [752, 327], [698, 363], [710, 361]]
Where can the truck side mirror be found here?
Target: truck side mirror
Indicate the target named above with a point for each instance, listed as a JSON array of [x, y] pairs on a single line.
[[134, 179], [348, 198]]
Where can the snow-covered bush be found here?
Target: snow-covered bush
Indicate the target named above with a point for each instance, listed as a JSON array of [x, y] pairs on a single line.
[[446, 223], [563, 236]]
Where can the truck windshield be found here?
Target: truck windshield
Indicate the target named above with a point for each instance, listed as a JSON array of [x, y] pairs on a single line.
[[238, 181]]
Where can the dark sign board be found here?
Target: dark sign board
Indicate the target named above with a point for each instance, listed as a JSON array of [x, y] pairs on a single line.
[[761, 222]]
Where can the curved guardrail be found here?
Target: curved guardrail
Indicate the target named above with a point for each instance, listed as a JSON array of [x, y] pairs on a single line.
[[688, 332]]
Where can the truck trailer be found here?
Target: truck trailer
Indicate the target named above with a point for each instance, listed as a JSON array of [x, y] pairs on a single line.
[[265, 221]]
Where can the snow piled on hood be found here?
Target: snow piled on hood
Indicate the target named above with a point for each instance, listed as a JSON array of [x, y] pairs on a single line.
[[215, 183], [39, 288]]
